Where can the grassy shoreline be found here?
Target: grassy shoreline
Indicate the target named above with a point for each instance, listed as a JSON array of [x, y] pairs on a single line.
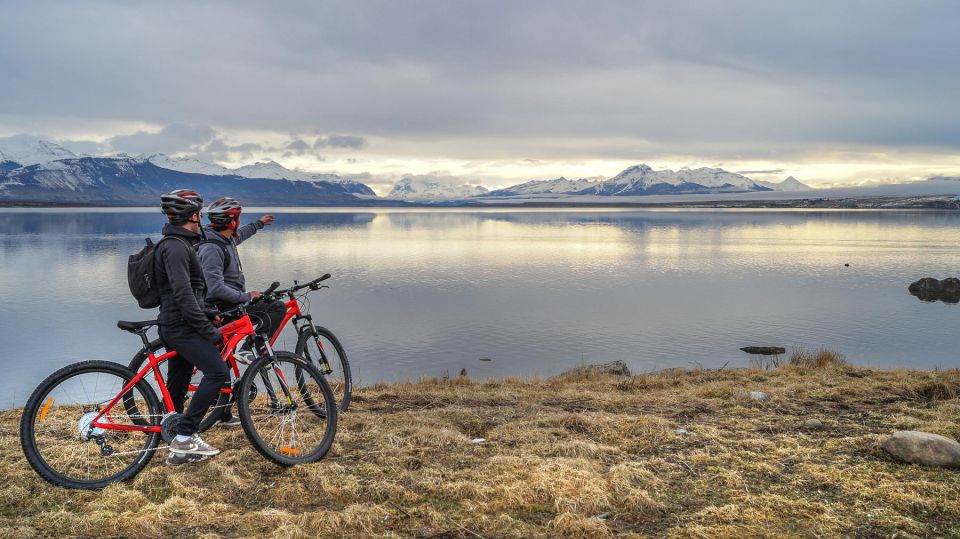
[[576, 455]]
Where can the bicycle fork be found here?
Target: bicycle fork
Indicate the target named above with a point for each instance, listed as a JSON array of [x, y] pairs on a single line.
[[281, 379], [327, 369]]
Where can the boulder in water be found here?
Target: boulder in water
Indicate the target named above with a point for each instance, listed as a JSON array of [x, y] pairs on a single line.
[[765, 350], [929, 289], [618, 368], [927, 284]]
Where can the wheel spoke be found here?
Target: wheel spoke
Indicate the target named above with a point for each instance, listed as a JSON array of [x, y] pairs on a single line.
[[61, 443], [288, 430]]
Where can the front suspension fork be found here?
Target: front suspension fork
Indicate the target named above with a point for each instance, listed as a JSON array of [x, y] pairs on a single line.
[[327, 369]]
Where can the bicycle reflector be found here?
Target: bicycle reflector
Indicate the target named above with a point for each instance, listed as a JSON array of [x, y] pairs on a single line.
[[45, 409], [289, 450]]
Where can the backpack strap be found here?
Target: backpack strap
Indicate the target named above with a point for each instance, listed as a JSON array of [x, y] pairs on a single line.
[[223, 248], [156, 246]]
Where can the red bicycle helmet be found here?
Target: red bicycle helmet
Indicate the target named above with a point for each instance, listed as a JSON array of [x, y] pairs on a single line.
[[223, 212]]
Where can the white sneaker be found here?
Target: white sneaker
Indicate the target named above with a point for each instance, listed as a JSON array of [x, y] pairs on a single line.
[[193, 446]]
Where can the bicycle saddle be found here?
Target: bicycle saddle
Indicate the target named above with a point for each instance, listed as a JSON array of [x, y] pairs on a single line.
[[134, 326]]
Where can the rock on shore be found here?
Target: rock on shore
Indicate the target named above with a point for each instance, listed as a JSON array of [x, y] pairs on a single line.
[[618, 368], [923, 448]]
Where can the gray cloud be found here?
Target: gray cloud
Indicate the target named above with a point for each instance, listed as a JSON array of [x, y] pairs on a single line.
[[218, 150], [172, 138], [339, 141], [770, 171], [568, 78], [83, 147], [296, 147]]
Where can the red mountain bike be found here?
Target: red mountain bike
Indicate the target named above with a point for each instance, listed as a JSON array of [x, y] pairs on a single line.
[[318, 345], [94, 423]]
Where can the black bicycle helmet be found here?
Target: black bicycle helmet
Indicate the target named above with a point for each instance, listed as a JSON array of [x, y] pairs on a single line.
[[223, 211], [180, 204]]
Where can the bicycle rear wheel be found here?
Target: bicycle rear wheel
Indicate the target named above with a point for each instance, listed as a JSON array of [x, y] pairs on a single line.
[[324, 350], [56, 433], [287, 409]]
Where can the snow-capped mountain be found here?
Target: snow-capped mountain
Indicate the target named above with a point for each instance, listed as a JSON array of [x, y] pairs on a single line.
[[275, 171], [270, 170], [189, 165], [789, 184], [29, 150], [124, 180], [643, 180], [560, 185], [433, 188]]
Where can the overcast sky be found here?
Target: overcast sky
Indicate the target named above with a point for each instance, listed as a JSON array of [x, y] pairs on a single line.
[[496, 92]]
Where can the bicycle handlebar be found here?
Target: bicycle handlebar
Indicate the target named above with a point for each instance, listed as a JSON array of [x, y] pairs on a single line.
[[274, 286], [272, 293], [314, 282]]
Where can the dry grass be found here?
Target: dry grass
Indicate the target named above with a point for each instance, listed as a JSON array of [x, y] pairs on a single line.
[[589, 456], [802, 357]]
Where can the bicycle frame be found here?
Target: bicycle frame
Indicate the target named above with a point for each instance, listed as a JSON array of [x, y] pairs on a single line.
[[293, 311], [234, 333]]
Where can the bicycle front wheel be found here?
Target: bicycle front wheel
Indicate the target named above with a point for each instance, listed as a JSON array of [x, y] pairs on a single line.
[[287, 409], [60, 441], [324, 350]]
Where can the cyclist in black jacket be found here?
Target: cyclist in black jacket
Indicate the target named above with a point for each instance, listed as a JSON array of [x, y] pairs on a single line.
[[185, 324]]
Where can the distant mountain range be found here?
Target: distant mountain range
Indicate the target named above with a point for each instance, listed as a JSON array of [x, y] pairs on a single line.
[[434, 189], [270, 170], [40, 171], [639, 180], [642, 180]]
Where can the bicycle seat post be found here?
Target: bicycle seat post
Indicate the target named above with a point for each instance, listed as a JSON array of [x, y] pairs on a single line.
[[143, 337]]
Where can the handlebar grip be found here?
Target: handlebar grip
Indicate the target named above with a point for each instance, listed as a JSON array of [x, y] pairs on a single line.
[[274, 286], [321, 279]]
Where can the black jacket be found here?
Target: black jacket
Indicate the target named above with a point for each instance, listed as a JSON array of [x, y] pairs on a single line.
[[182, 287]]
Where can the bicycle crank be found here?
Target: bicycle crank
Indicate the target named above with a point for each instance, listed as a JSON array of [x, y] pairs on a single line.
[[169, 425]]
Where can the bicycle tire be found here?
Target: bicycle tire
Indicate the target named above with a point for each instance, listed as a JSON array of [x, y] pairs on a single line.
[[264, 404], [344, 378], [39, 404], [215, 412]]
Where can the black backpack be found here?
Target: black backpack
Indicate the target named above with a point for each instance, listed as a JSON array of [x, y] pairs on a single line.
[[142, 274]]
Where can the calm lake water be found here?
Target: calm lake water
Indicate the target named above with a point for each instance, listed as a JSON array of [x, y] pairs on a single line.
[[420, 293]]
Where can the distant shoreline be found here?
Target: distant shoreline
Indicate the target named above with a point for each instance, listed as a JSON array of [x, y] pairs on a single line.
[[934, 202]]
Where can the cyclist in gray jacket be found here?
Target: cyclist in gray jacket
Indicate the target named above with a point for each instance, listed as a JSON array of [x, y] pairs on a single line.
[[226, 285], [223, 271]]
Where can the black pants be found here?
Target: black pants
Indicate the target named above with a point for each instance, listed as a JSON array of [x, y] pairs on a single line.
[[192, 351], [267, 315]]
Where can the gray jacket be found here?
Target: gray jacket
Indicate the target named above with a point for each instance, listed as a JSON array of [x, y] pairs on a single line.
[[225, 285]]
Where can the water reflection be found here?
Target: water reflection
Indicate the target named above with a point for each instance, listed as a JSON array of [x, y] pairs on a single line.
[[420, 292]]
